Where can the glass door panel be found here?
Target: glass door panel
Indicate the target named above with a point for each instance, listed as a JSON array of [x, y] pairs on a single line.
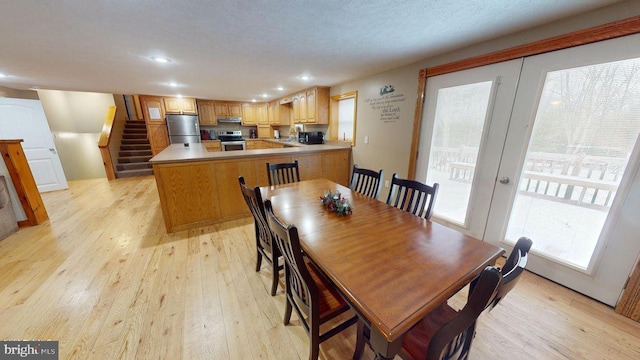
[[585, 128], [461, 112]]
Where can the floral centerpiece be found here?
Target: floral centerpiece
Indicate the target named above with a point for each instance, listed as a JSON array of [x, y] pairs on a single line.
[[336, 203]]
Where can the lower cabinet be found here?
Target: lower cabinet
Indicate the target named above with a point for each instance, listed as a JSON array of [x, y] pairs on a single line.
[[199, 193], [212, 145]]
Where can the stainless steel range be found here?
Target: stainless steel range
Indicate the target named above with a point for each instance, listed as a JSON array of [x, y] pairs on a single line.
[[232, 140]]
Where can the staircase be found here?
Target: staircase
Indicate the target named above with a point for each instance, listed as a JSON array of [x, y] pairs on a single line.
[[135, 151]]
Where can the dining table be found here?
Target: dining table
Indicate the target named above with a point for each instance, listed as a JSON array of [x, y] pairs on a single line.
[[391, 266]]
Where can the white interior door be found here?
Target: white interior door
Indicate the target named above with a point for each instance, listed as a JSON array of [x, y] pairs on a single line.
[[571, 156], [464, 124], [25, 119]]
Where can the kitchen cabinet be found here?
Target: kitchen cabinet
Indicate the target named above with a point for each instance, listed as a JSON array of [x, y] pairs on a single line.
[[158, 137], [262, 114], [212, 145], [180, 105], [317, 105], [264, 132], [154, 119], [311, 106], [228, 109], [248, 114], [207, 113], [152, 109], [278, 114]]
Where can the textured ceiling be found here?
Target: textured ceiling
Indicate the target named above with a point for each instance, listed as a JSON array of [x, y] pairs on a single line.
[[240, 49]]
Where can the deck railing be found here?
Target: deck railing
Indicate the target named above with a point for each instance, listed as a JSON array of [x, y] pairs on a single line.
[[582, 180]]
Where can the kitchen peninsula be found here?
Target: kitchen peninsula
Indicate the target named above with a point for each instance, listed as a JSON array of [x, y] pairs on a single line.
[[199, 188]]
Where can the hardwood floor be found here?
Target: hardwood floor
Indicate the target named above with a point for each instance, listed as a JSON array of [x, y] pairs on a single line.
[[104, 279]]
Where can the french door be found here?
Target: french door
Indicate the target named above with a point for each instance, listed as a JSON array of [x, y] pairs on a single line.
[[566, 174]]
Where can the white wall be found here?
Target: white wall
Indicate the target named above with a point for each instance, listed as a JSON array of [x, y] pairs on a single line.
[[76, 120]]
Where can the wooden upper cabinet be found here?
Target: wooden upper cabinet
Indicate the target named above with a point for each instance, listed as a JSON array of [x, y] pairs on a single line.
[[311, 106], [180, 105], [302, 100], [249, 114], [262, 114], [207, 113], [318, 105], [279, 114], [295, 107], [228, 109], [152, 109]]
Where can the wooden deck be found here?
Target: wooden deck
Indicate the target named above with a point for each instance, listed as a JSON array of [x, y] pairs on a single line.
[[104, 279]]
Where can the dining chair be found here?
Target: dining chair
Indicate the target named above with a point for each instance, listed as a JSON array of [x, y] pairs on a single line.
[[265, 246], [366, 182], [283, 173], [412, 196], [307, 290], [513, 268], [444, 333]]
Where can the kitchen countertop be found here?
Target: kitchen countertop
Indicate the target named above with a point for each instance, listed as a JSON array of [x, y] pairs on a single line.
[[198, 152]]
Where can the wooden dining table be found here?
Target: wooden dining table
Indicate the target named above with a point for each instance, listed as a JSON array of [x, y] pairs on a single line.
[[391, 266]]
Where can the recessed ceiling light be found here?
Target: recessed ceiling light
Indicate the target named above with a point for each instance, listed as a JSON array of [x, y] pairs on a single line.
[[265, 95], [253, 100], [179, 96], [173, 84], [280, 88], [3, 75], [304, 77], [160, 59]]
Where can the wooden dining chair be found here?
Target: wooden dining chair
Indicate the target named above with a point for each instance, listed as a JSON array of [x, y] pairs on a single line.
[[307, 290], [444, 333], [513, 268], [283, 173], [366, 182], [412, 196], [266, 248]]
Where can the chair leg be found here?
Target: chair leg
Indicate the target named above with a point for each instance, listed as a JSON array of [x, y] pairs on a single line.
[[359, 350], [258, 261], [314, 341], [276, 276], [287, 312]]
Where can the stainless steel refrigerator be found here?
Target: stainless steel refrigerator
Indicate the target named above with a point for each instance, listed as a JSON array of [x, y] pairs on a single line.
[[183, 129]]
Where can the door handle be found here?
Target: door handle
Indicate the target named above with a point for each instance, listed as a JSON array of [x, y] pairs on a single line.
[[53, 150], [504, 180]]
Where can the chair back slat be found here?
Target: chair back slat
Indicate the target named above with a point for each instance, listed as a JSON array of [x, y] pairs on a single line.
[[412, 196], [297, 274], [366, 182], [283, 173]]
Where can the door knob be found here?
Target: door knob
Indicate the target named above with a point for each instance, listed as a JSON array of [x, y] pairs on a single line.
[[52, 150], [504, 180]]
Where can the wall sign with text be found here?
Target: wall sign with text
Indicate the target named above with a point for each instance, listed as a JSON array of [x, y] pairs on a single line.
[[387, 103]]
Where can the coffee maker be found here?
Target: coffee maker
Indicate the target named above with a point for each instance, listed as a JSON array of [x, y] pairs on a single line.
[[253, 134]]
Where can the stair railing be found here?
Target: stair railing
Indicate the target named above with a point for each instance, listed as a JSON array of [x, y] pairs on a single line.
[[103, 143]]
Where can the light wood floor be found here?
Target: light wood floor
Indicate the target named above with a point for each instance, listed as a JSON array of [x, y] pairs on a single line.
[[104, 279]]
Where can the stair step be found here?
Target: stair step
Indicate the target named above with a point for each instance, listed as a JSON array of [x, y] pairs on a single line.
[[134, 136], [135, 131], [135, 147], [134, 153], [134, 159], [135, 141], [133, 166], [134, 173]]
